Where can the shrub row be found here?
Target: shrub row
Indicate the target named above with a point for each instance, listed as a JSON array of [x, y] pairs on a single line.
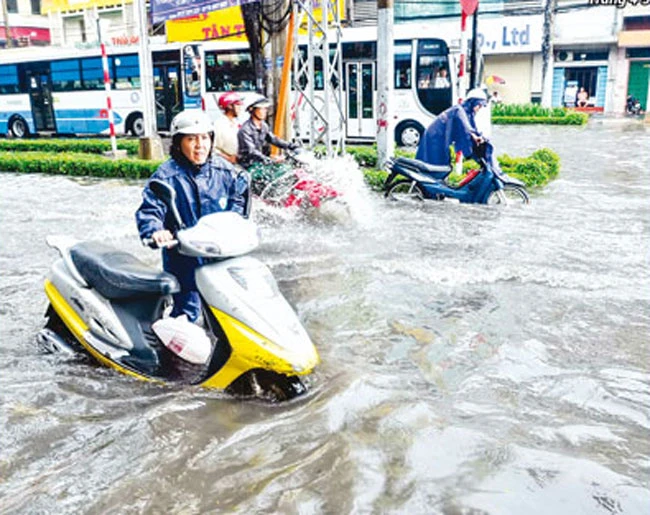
[[536, 170], [569, 119], [84, 146], [527, 110], [76, 165], [535, 113]]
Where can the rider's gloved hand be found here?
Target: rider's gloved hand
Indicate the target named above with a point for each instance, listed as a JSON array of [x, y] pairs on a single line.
[[293, 146]]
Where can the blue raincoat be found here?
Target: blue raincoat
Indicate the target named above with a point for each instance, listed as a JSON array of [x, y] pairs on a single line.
[[200, 190], [452, 127]]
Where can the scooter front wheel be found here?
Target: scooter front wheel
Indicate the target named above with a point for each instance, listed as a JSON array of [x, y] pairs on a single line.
[[510, 194], [405, 190]]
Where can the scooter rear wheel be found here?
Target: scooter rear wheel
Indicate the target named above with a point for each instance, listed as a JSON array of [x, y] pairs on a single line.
[[404, 191], [513, 195], [55, 337]]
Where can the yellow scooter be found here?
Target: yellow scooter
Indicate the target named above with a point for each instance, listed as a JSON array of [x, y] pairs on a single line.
[[104, 301]]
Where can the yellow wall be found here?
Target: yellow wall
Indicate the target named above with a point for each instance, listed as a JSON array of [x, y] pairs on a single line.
[[48, 6], [516, 70]]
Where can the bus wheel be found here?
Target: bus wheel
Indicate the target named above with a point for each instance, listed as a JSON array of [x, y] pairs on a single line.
[[137, 126], [408, 134], [18, 127]]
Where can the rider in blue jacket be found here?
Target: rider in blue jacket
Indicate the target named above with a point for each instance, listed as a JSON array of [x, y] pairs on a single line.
[[204, 184], [455, 126]]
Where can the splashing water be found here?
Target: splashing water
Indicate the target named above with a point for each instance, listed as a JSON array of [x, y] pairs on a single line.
[[352, 204]]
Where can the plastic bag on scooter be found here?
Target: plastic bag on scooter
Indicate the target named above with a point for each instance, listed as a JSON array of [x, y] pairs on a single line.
[[183, 338]]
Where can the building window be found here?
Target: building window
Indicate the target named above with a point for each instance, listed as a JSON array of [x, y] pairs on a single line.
[[36, 6], [636, 23], [12, 6]]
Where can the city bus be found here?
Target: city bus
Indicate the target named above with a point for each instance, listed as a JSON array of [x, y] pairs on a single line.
[[61, 90], [424, 81]]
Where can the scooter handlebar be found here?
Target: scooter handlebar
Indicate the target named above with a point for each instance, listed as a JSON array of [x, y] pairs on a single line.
[[151, 243]]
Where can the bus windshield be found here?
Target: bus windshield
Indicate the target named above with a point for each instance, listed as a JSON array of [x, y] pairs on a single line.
[[433, 75]]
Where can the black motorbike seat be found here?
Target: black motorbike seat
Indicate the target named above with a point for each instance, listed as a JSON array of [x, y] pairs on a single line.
[[437, 171], [116, 274]]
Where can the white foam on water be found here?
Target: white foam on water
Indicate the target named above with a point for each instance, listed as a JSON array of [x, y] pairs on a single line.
[[353, 204]]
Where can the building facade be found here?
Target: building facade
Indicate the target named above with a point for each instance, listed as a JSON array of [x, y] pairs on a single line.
[[22, 20]]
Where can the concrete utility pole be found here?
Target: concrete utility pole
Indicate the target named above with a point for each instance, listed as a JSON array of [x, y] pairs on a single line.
[[385, 74], [283, 50], [547, 52], [150, 143], [5, 14]]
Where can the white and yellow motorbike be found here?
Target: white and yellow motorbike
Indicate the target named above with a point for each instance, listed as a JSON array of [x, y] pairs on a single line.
[[105, 301]]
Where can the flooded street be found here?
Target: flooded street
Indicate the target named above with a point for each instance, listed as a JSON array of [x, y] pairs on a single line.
[[474, 359]]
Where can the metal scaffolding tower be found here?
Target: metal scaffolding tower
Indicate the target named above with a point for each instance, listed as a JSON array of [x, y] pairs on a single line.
[[318, 75]]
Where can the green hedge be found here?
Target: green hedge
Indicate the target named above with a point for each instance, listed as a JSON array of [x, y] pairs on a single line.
[[569, 119], [76, 165], [83, 146], [535, 113], [536, 170]]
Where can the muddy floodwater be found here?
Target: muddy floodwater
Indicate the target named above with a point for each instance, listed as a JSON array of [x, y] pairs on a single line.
[[475, 360]]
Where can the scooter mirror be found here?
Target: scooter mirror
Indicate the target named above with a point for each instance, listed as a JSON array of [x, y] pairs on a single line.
[[166, 193]]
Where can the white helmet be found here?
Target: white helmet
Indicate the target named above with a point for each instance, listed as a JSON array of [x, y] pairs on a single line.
[[191, 122], [258, 101], [477, 93]]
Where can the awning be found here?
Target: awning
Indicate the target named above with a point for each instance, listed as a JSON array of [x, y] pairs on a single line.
[[634, 38]]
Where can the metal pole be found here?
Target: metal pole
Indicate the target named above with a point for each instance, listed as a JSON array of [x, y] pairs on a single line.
[[385, 74], [462, 77], [107, 88], [5, 14], [327, 82], [473, 82], [150, 146]]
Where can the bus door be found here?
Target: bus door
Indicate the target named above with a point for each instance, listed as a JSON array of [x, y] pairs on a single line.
[[40, 96], [360, 99], [167, 88]]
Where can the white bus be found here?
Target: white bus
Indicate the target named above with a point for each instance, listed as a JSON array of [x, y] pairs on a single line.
[[59, 90], [424, 81]]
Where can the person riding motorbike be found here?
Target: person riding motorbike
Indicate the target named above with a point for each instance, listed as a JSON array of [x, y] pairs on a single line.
[[632, 106], [455, 126], [255, 139], [204, 184], [227, 127]]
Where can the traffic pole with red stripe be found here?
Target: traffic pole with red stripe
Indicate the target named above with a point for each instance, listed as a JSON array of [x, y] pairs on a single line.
[[109, 103], [462, 82]]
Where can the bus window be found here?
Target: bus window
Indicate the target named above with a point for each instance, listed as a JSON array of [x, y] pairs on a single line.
[[319, 85], [92, 73], [319, 81], [229, 71], [9, 79], [126, 72], [403, 50], [359, 50], [192, 72], [66, 75]]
